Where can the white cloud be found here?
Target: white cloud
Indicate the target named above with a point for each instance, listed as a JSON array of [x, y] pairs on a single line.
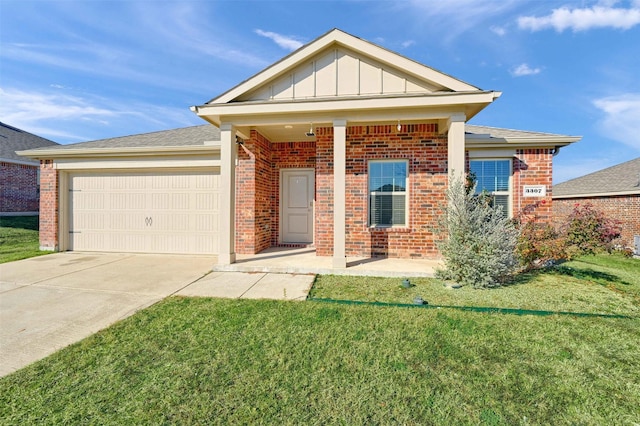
[[600, 16], [407, 43], [621, 120], [498, 30], [524, 69], [455, 17], [91, 117], [285, 42]]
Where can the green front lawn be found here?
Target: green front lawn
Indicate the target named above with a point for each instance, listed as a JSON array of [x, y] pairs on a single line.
[[19, 238], [208, 361], [605, 284]]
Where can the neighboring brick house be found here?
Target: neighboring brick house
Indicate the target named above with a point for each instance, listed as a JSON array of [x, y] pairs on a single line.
[[615, 191], [342, 145], [19, 185]]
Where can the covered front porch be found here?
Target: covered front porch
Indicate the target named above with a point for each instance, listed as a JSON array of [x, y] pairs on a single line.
[[310, 128], [305, 261]]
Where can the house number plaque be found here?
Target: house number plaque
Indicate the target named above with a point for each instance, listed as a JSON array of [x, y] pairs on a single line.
[[534, 191]]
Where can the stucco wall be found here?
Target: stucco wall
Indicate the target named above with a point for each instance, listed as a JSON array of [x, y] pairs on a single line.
[[626, 209], [18, 188]]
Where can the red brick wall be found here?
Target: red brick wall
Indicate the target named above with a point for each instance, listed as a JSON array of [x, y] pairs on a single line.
[[287, 155], [18, 188], [532, 167], [626, 209], [426, 152], [258, 188], [49, 205], [253, 195]]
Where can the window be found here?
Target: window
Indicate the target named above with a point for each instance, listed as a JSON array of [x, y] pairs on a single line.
[[388, 193], [493, 177]]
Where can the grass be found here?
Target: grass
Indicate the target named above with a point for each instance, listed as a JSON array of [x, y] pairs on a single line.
[[208, 361], [605, 284], [19, 238]]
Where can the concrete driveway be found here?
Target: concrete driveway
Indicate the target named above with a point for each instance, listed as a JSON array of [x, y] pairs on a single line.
[[49, 302]]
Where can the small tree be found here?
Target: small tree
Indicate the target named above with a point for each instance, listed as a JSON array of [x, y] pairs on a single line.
[[481, 243]]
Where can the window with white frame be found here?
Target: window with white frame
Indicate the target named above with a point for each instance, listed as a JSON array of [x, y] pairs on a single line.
[[493, 177], [388, 196]]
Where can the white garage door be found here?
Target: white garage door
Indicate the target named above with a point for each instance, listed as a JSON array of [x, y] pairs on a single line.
[[161, 212]]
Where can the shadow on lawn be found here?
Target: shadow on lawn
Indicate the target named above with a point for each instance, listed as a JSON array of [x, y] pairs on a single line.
[[30, 223], [587, 274]]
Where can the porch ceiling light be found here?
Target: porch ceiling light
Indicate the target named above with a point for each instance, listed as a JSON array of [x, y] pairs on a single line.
[[310, 132]]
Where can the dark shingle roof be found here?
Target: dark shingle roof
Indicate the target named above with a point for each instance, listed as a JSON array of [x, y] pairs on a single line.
[[185, 136], [13, 139], [622, 178]]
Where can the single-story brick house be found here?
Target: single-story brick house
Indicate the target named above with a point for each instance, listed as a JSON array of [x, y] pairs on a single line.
[[342, 145], [615, 191], [19, 176]]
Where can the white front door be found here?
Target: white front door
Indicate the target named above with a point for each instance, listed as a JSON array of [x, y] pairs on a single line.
[[297, 190]]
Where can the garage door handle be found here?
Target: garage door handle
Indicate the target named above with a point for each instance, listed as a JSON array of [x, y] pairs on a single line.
[[148, 221]]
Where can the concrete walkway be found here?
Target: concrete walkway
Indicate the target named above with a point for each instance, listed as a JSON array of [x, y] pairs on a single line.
[[49, 302]]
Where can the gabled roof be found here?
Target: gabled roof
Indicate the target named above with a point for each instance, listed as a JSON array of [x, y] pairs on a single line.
[[622, 179], [13, 139], [340, 76], [323, 51], [204, 137]]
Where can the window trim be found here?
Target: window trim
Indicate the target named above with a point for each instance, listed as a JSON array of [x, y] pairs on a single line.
[[509, 192], [406, 193]]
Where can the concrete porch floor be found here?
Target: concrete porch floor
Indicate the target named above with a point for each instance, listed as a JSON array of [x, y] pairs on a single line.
[[286, 260]]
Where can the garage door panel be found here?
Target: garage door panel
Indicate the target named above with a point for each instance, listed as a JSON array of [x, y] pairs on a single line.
[[174, 212]]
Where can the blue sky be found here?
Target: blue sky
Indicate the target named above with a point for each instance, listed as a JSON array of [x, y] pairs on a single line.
[[74, 71]]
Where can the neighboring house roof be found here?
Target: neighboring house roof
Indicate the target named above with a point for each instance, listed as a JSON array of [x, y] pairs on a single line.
[[13, 139], [622, 179]]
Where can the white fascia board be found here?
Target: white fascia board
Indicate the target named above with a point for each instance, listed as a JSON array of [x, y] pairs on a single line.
[[476, 141], [350, 42], [217, 112], [20, 162], [597, 194], [397, 61], [118, 152], [275, 69]]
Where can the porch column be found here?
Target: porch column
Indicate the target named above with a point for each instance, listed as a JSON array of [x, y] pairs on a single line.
[[227, 229], [339, 179], [455, 145]]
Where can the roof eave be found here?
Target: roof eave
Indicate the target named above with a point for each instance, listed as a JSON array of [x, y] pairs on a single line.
[[470, 102], [551, 141], [39, 154], [597, 194]]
